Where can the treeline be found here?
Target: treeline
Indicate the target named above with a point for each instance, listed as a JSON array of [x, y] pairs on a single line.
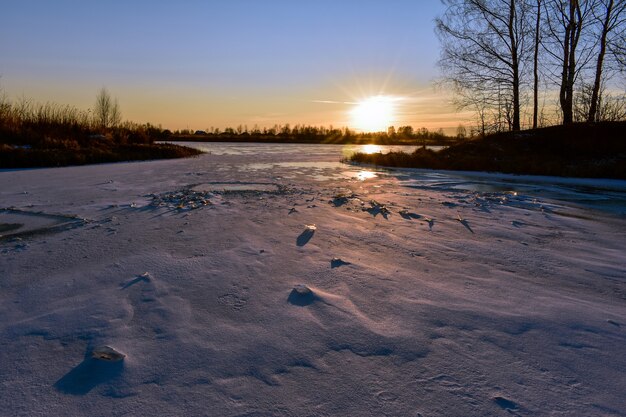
[[528, 63], [404, 135]]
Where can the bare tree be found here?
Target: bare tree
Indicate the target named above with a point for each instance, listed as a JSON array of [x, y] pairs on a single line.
[[611, 18], [618, 50], [569, 46], [483, 47], [536, 47], [106, 111], [488, 115], [609, 107]]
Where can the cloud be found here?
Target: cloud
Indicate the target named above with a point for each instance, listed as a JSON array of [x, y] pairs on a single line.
[[332, 102]]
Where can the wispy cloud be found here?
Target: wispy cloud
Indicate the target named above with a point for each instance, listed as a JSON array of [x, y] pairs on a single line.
[[332, 102]]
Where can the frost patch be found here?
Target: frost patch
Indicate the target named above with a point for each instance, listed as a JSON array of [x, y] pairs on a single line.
[[200, 195], [237, 187], [181, 200]]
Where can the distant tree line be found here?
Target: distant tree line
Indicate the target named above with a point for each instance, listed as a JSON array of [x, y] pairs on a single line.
[[508, 59], [320, 134]]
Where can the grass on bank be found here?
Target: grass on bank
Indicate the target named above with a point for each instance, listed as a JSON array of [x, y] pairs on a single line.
[[47, 135], [596, 150]]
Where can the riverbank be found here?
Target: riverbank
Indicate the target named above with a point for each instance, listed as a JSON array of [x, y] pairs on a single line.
[[580, 150], [52, 135], [38, 157]]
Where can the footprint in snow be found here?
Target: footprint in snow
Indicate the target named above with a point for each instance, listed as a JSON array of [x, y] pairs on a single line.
[[153, 308], [234, 301], [386, 396]]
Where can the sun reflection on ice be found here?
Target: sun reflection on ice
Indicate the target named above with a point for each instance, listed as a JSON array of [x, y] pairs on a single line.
[[365, 175], [370, 149]]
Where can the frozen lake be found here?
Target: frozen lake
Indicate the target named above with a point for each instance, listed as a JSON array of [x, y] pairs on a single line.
[[321, 162], [274, 280]]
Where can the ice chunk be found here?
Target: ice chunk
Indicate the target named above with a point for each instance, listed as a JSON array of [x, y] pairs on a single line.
[[302, 289], [301, 295], [337, 262], [107, 353]]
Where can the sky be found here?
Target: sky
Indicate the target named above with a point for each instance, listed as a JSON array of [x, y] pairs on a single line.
[[204, 64]]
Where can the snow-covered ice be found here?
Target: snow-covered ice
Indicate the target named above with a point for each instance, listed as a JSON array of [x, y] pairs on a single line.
[[428, 295]]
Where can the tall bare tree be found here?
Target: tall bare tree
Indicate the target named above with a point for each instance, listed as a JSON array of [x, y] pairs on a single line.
[[483, 46], [106, 111], [610, 15], [567, 23], [536, 47]]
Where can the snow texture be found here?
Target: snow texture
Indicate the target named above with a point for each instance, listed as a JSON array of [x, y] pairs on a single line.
[[418, 293]]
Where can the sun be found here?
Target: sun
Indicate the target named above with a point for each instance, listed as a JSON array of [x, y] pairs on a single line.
[[374, 114]]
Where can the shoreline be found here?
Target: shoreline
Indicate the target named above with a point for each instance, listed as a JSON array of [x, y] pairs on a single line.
[[579, 150], [33, 158]]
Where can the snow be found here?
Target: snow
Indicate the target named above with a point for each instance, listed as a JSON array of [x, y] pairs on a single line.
[[426, 298]]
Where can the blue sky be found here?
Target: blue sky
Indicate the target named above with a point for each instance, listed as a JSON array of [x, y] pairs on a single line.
[[217, 63]]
